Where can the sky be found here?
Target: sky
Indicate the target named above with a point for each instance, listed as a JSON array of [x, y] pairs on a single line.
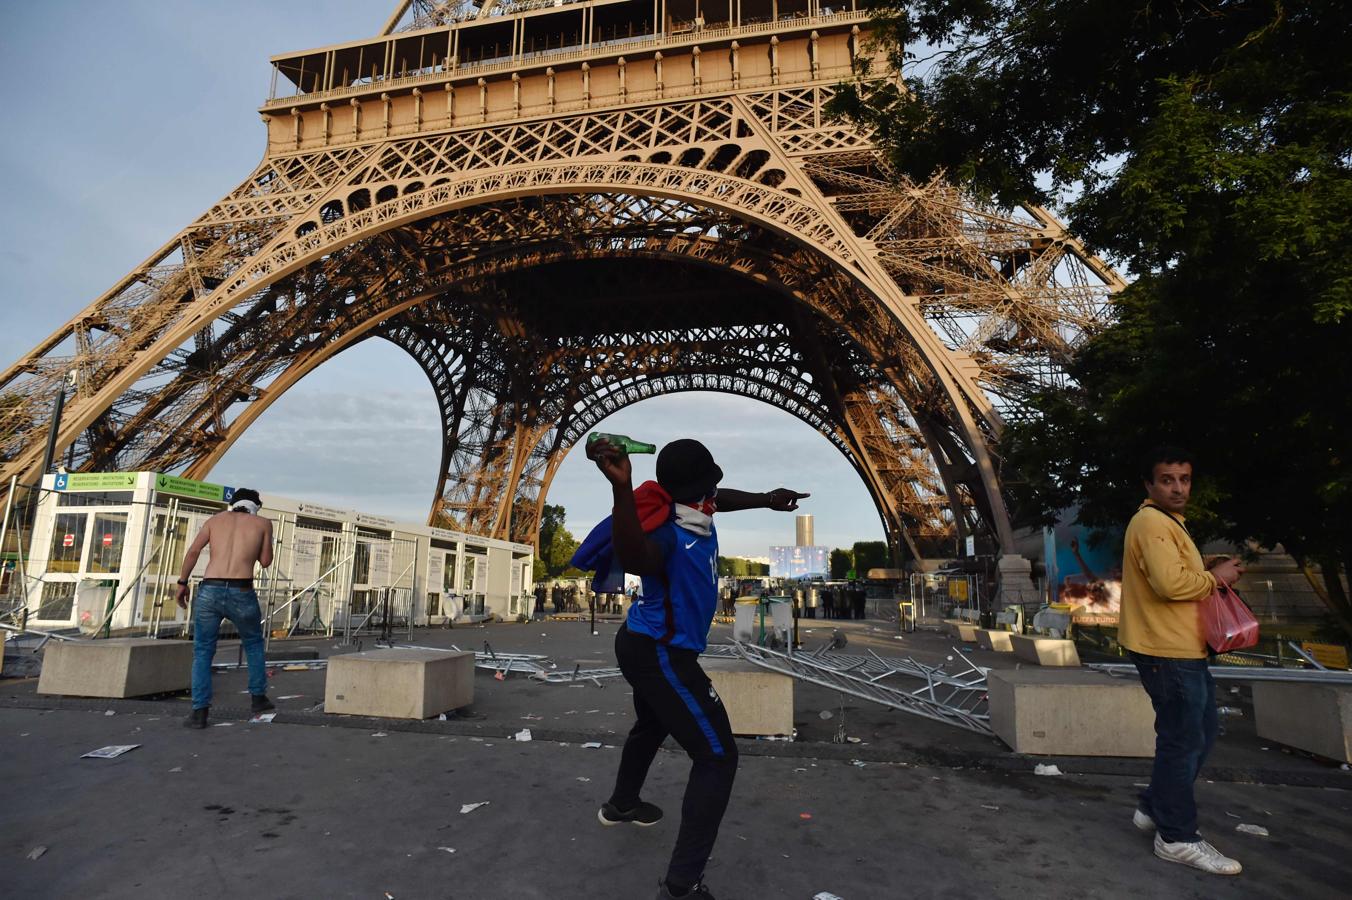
[[125, 120]]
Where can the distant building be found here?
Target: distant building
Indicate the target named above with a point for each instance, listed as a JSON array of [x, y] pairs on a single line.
[[799, 562], [803, 528]]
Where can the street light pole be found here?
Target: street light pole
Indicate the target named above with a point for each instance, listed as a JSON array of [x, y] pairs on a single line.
[[55, 427]]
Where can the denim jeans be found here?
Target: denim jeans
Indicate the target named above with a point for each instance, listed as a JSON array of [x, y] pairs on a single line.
[[1184, 696], [213, 603]]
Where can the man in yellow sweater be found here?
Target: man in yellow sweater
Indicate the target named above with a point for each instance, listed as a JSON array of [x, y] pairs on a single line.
[[1163, 580]]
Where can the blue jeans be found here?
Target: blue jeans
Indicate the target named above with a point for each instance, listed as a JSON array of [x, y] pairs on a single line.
[[213, 603], [1184, 696]]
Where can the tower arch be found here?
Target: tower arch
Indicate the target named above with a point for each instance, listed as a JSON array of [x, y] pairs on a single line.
[[442, 177]]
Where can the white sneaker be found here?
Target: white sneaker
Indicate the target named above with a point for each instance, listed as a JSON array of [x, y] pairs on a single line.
[[1198, 854], [1143, 822]]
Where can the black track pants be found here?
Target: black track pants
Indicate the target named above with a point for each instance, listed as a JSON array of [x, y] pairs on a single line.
[[673, 696]]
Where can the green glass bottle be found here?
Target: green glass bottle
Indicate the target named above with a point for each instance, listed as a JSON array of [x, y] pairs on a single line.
[[622, 442]]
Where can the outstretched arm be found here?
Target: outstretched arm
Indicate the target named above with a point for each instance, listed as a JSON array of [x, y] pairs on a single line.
[[780, 500], [636, 552]]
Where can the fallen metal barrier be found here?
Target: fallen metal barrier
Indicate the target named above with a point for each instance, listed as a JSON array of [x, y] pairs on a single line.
[[958, 699], [1244, 673], [578, 674]]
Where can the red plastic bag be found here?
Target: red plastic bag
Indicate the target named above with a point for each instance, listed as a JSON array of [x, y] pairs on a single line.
[[1227, 622]]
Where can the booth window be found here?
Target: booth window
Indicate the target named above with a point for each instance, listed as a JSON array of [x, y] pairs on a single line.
[[471, 566], [177, 547], [58, 599], [361, 564], [67, 543], [94, 498], [110, 532], [448, 574], [328, 557]]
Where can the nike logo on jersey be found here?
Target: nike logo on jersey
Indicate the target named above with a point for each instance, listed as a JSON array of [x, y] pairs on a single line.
[[691, 544]]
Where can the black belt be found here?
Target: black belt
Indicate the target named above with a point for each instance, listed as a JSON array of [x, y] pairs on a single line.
[[231, 582]]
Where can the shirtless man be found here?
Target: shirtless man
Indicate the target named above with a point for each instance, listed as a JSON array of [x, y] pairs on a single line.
[[238, 538]]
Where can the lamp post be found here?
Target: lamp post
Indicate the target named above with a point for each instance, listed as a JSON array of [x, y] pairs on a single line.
[[57, 407]]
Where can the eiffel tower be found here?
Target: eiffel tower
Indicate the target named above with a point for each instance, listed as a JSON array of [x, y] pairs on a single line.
[[563, 207]]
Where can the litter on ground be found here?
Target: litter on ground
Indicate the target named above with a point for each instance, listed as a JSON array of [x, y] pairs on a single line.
[[112, 752]]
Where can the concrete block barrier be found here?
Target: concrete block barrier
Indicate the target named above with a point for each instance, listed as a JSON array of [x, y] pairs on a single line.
[[1316, 718], [399, 683], [963, 631], [117, 667], [1071, 712], [1044, 651], [759, 702], [994, 639]]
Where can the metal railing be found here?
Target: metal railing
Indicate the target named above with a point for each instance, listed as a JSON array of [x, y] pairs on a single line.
[[567, 54]]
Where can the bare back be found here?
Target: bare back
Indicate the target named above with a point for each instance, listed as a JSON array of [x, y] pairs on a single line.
[[237, 540]]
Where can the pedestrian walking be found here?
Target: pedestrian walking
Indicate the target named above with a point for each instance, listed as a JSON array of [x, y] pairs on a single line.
[[1163, 580], [674, 547], [236, 539]]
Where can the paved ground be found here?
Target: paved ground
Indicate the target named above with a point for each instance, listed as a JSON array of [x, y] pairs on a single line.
[[298, 811], [588, 711], [322, 807]]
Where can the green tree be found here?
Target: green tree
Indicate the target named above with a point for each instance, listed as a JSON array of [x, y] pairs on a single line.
[[741, 567], [557, 544], [1206, 147], [841, 563], [869, 555]]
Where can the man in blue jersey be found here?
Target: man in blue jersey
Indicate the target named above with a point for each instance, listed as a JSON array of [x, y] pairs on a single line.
[[658, 647]]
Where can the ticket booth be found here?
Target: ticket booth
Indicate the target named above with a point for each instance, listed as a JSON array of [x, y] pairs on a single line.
[[107, 550]]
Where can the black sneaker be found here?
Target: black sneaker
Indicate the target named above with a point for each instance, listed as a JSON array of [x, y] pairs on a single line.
[[698, 892], [644, 814], [198, 718], [259, 703]]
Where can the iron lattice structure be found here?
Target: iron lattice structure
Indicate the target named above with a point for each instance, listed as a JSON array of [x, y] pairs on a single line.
[[610, 204]]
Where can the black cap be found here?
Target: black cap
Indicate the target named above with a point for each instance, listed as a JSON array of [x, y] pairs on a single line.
[[686, 470]]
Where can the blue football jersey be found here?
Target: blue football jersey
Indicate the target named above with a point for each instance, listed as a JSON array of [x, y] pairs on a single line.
[[679, 608]]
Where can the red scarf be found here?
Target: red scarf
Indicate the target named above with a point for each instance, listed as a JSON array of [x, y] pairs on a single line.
[[654, 506]]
